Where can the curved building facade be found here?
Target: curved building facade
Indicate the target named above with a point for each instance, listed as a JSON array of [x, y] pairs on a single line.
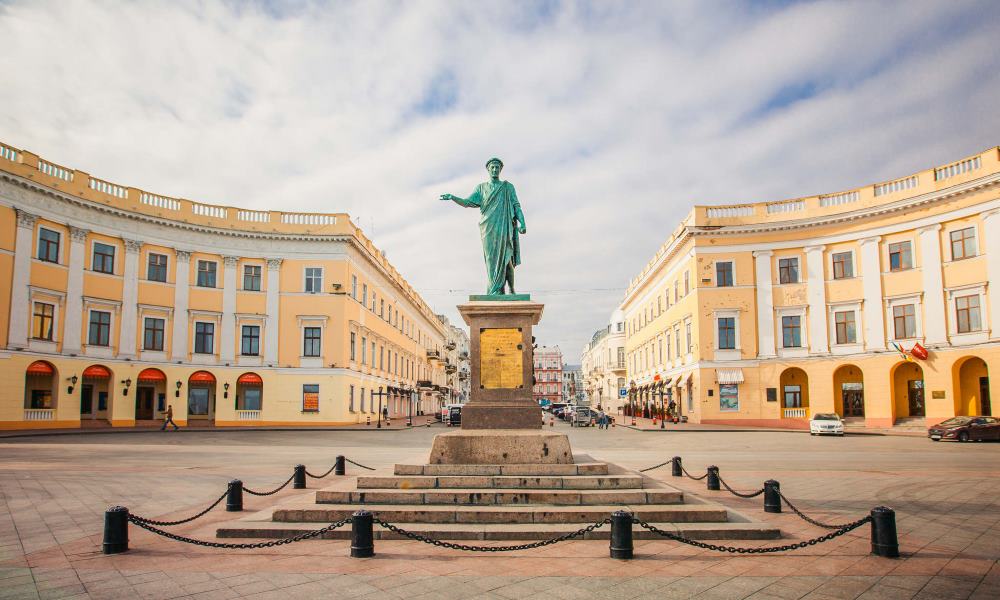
[[116, 303], [877, 303]]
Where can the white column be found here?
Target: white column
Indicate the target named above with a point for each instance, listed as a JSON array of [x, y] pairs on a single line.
[[819, 341], [271, 322], [991, 246], [130, 300], [228, 350], [72, 326], [20, 311], [765, 305], [935, 325], [871, 285], [179, 340]]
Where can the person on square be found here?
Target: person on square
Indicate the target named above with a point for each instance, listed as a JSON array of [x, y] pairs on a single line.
[[169, 418]]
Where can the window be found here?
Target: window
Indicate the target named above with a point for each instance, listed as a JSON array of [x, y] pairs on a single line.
[[788, 270], [156, 267], [311, 341], [364, 295], [729, 398], [250, 340], [251, 399], [967, 311], [381, 308], [206, 273], [667, 336], [727, 333], [362, 399], [350, 398], [900, 256], [373, 354], [152, 334], [204, 338], [48, 245], [44, 318], [354, 339], [314, 280], [677, 295], [390, 314], [687, 330], [373, 300], [724, 274], [104, 258], [100, 328], [677, 341], [845, 326], [843, 265], [251, 278], [621, 354], [793, 396], [904, 321], [791, 331], [963, 243], [687, 282], [354, 287], [310, 397]]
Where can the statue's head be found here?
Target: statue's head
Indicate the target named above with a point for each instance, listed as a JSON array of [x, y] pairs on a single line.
[[493, 167]]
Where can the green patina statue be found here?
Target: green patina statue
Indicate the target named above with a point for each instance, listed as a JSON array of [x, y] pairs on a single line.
[[500, 223]]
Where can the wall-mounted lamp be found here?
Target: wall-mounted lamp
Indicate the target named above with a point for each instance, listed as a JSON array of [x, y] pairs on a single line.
[[177, 392], [72, 382], [225, 387], [127, 383]]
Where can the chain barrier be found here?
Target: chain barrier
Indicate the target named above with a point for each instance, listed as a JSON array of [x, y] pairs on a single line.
[[323, 475], [539, 544], [182, 521], [765, 550], [685, 471], [805, 518], [656, 466], [358, 465], [270, 544], [735, 493], [274, 491]]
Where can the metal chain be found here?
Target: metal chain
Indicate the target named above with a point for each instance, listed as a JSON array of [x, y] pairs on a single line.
[[656, 466], [274, 491], [358, 465], [182, 521], [735, 493], [270, 544], [769, 549], [323, 475], [443, 544], [805, 518], [685, 471]]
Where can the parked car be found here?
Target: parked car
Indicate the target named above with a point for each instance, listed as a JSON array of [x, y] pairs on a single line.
[[555, 406], [455, 416], [826, 424], [966, 429], [582, 417]]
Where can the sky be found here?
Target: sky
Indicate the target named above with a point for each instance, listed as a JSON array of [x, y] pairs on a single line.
[[612, 118]]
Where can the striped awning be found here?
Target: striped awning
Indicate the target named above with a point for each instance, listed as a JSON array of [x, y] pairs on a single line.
[[96, 372], [683, 379], [729, 376]]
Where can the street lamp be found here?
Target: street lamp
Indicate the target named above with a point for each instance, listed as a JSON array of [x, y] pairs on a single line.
[[662, 414], [632, 399], [409, 418], [380, 393]]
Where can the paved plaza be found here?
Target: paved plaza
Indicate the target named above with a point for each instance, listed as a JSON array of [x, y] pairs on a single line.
[[56, 488]]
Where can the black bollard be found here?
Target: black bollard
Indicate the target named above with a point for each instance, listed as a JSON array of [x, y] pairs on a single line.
[[676, 467], [772, 497], [884, 540], [621, 535], [116, 530], [339, 466], [362, 537], [299, 479], [234, 497], [713, 478]]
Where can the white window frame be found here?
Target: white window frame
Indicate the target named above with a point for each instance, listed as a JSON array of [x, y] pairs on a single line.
[[194, 337], [858, 344], [735, 353], [959, 227], [263, 277], [886, 242], [44, 296], [791, 352], [112, 307], [312, 362], [38, 244], [155, 312], [689, 340], [972, 337], [322, 278], [854, 264], [918, 312], [715, 272], [777, 269], [197, 270]]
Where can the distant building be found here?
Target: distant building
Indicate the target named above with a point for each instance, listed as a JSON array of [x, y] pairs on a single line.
[[572, 384], [456, 363], [603, 364], [548, 375]]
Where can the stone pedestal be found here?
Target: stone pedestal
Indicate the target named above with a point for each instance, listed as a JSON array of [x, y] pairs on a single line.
[[501, 447]]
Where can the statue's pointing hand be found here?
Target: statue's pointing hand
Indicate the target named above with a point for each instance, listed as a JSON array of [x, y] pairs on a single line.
[[446, 197]]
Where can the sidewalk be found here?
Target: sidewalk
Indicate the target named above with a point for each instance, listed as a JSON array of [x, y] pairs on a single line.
[[642, 424]]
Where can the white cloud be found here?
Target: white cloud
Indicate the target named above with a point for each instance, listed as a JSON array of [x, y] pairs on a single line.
[[613, 118]]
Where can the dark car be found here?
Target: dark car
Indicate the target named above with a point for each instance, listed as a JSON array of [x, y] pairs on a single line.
[[965, 429]]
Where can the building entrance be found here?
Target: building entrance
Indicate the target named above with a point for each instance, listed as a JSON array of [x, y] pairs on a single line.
[[915, 395], [984, 396], [144, 403], [853, 397]]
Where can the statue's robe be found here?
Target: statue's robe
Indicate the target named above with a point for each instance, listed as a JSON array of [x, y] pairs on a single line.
[[498, 208]]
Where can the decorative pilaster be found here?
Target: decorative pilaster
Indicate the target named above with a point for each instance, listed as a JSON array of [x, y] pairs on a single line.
[[182, 281], [871, 285], [227, 351], [271, 321], [991, 246], [72, 324], [819, 341], [765, 305], [935, 323], [130, 299], [20, 311]]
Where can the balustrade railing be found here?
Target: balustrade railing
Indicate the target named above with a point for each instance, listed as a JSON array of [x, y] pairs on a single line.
[[39, 414]]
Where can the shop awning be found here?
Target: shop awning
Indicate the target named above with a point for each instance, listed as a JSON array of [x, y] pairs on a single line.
[[683, 379], [96, 372], [666, 381], [729, 376], [201, 377], [250, 379], [151, 376], [40, 367]]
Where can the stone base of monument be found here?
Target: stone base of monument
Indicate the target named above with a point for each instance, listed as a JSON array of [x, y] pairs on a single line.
[[501, 447]]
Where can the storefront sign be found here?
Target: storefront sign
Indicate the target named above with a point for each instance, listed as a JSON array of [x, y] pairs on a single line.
[[310, 398], [729, 399]]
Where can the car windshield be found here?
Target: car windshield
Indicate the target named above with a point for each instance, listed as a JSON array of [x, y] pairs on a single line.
[[826, 417], [955, 422]]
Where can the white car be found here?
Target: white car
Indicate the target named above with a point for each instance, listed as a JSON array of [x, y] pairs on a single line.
[[826, 424]]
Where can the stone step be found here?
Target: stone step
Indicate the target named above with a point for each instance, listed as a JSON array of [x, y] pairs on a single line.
[[576, 482], [504, 532], [494, 497], [510, 514], [541, 470]]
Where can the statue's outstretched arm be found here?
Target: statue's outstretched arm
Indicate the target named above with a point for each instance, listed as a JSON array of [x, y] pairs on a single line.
[[473, 201]]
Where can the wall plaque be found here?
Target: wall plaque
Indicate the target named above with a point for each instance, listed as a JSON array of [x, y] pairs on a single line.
[[937, 394], [501, 359]]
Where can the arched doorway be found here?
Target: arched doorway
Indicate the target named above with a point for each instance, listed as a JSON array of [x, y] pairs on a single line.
[[40, 391], [849, 391], [150, 395], [908, 390], [794, 393], [201, 397], [249, 397], [95, 393], [972, 387]]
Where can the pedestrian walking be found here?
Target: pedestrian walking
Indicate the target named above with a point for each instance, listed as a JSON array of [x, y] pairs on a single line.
[[169, 418], [671, 408]]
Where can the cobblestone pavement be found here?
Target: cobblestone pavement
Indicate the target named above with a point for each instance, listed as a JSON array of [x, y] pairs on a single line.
[[55, 491]]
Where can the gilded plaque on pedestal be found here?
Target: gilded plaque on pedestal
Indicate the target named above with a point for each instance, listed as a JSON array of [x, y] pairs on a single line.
[[501, 359]]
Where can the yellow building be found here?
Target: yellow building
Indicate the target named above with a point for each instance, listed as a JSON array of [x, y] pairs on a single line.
[[767, 313], [116, 303]]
